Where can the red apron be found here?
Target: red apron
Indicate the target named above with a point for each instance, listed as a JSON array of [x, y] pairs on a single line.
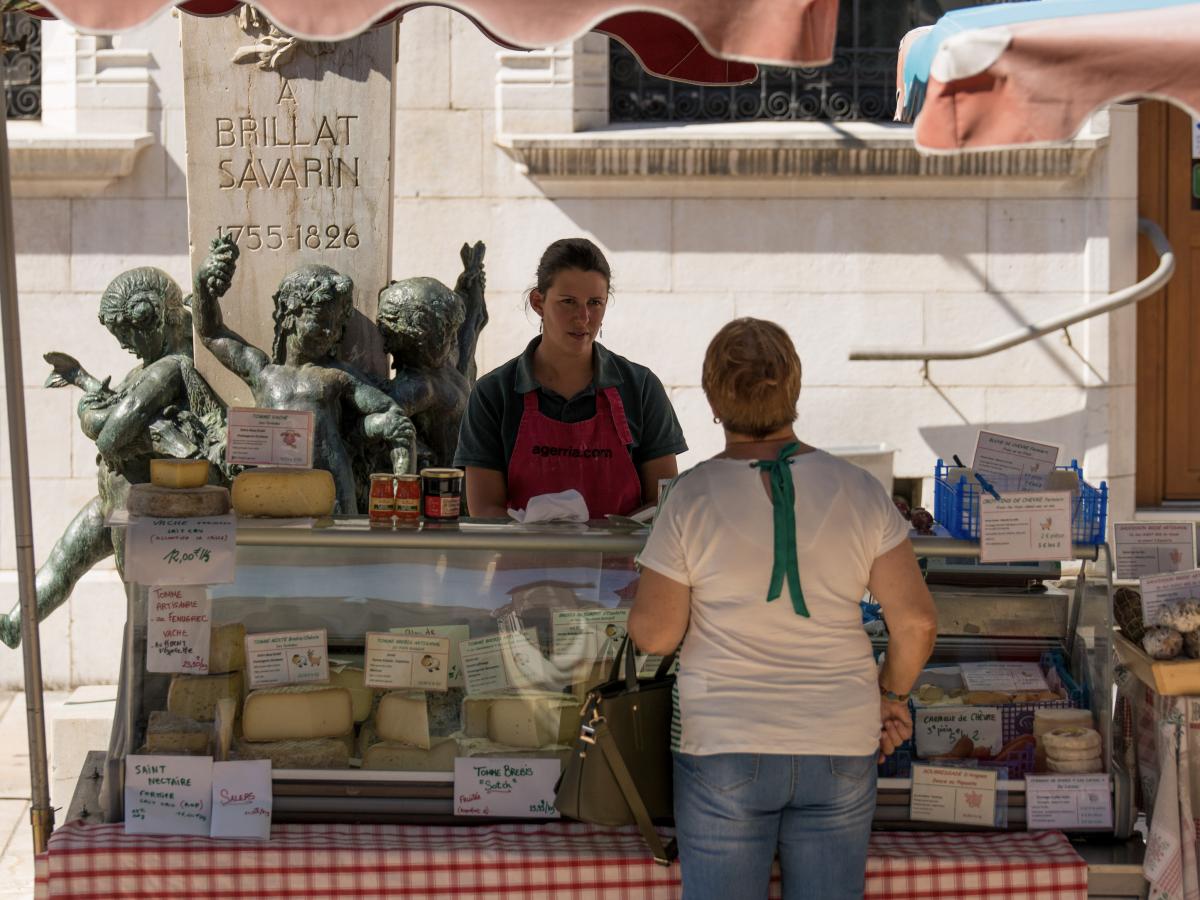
[[591, 456]]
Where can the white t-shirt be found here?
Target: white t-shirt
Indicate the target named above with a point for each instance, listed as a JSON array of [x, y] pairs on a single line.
[[756, 677]]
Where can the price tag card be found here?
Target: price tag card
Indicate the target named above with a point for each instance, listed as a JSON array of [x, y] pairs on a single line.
[[950, 794], [1152, 548], [513, 788], [1024, 527], [1067, 801], [1010, 677], [1158, 590], [489, 663], [181, 551], [1014, 461], [958, 731], [168, 794], [178, 629], [588, 633], [287, 657], [406, 661], [456, 635], [270, 437], [241, 799]]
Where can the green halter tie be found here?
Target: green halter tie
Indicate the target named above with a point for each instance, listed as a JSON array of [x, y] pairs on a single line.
[[783, 501]]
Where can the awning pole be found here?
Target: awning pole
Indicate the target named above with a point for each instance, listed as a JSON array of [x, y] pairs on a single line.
[[40, 814]]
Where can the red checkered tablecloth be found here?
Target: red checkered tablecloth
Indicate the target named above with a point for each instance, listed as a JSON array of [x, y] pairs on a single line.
[[557, 861]]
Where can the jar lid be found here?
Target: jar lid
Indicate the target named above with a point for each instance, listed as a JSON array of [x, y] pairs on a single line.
[[441, 473], [380, 476], [407, 477]]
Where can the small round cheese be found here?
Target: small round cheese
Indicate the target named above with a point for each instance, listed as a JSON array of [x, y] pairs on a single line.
[[179, 473], [1182, 615], [1075, 766], [1071, 739], [1191, 644], [1162, 642]]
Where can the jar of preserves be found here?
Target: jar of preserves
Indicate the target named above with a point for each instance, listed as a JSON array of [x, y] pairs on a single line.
[[382, 508], [441, 493], [408, 500]]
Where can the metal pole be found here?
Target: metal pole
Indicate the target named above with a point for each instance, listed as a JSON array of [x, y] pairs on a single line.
[[40, 814]]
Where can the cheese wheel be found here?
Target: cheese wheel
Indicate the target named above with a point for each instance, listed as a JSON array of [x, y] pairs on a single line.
[[533, 721], [167, 732], [1071, 739], [227, 648], [312, 753], [179, 473], [1045, 720], [295, 712], [284, 493], [1075, 766], [1063, 755], [401, 757], [177, 503]]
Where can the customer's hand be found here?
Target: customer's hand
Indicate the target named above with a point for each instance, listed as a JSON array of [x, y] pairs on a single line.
[[895, 726]]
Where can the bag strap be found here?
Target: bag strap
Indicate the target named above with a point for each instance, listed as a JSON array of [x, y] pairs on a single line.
[[603, 739], [626, 654]]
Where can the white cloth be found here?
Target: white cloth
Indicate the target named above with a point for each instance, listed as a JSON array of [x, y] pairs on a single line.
[[755, 677], [565, 506]]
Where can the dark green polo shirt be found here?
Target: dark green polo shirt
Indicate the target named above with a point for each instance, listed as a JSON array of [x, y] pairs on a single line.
[[489, 427]]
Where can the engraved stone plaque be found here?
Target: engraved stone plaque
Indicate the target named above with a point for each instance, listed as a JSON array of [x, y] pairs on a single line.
[[289, 151]]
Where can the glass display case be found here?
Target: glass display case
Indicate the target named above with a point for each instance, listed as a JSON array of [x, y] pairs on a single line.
[[531, 617]]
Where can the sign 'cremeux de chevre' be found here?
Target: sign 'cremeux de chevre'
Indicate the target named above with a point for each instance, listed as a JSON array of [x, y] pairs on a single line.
[[289, 151]]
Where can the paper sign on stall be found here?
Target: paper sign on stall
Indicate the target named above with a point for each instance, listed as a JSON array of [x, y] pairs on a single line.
[[242, 799], [1022, 527], [1158, 590], [588, 633], [1152, 548], [287, 657], [269, 437], [489, 663], [1067, 802], [1016, 463], [181, 551], [456, 634], [955, 730], [168, 794], [950, 794], [513, 788], [1010, 677], [178, 629], [406, 661]]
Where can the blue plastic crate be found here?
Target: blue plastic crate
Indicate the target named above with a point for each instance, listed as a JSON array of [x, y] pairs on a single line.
[[956, 506]]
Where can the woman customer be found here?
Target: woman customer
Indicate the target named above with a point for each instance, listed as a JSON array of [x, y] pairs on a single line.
[[757, 562], [568, 413]]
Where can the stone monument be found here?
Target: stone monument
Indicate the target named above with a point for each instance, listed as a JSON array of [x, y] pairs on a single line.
[[289, 153]]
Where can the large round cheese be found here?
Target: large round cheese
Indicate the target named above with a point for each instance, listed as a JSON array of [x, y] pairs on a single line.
[[177, 503], [284, 493]]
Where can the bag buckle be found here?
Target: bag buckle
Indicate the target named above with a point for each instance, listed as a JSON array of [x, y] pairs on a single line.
[[587, 730]]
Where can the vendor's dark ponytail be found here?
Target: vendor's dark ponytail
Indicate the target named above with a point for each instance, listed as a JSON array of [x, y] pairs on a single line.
[[571, 253]]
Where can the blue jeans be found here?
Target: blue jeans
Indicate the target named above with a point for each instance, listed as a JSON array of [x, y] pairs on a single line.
[[734, 810]]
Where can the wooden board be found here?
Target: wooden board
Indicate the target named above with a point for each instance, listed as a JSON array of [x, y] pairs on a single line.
[[1168, 677]]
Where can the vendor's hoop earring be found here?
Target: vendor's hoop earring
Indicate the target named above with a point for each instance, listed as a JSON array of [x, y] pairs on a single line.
[[600, 333], [716, 421], [540, 327]]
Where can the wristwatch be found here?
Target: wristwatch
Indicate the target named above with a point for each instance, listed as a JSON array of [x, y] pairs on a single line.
[[892, 696]]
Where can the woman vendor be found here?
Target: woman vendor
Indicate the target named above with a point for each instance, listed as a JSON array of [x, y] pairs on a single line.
[[567, 413]]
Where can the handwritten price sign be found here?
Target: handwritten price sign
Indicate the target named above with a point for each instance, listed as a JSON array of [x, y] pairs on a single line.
[[512, 788], [178, 629], [181, 551]]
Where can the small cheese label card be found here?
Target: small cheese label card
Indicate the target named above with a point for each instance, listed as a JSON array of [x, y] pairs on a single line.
[[950, 794], [512, 788], [1010, 677], [406, 661], [489, 663], [1025, 527], [241, 799], [1067, 802], [270, 437], [181, 551], [178, 629], [588, 633], [1017, 463], [168, 794], [1158, 590], [1153, 548], [287, 657], [456, 634], [958, 732]]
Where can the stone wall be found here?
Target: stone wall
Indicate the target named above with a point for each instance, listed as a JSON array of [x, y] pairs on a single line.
[[495, 146]]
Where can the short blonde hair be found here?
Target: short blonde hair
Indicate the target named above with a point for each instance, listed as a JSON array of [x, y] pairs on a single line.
[[752, 377]]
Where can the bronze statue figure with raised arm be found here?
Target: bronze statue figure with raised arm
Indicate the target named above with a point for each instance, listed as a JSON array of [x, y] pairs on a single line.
[[431, 333], [312, 307], [162, 408]]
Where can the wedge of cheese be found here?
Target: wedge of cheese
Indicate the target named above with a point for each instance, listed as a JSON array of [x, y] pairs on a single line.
[[169, 733], [362, 698], [314, 753], [223, 722], [179, 473], [227, 648], [402, 758], [483, 748], [533, 720], [196, 696], [283, 493], [403, 718], [296, 712]]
